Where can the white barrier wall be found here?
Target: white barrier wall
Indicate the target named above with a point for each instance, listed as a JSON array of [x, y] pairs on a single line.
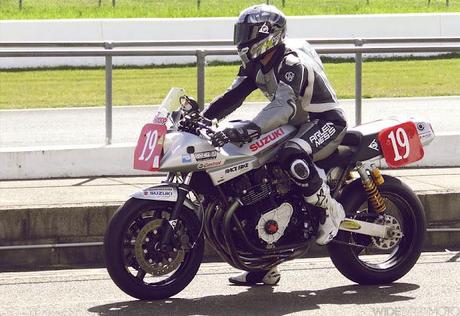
[[337, 26], [115, 160]]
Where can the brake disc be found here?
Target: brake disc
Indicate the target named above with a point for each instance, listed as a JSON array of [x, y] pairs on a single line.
[[149, 257], [395, 232]]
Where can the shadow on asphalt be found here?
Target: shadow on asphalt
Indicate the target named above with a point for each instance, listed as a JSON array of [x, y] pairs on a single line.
[[262, 300]]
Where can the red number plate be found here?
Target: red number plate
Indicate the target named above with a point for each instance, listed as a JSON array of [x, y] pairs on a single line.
[[401, 144], [149, 147]]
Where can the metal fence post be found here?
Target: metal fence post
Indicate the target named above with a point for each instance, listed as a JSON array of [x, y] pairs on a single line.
[[358, 84], [108, 95], [201, 72]]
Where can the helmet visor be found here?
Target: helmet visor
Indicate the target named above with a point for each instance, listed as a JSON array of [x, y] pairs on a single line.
[[244, 33]]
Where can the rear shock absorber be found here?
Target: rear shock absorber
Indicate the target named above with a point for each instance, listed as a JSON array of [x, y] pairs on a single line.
[[370, 186]]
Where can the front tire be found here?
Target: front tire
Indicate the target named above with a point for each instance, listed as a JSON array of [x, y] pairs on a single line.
[[133, 259], [408, 211]]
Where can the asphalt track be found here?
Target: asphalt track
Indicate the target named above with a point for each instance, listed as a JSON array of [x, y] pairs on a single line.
[[82, 126], [307, 287]]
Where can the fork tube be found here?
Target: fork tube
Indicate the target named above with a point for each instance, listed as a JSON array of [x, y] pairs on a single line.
[[182, 191]]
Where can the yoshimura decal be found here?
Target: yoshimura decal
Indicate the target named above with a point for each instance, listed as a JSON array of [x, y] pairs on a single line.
[[373, 145], [267, 139], [173, 223], [264, 29], [206, 155], [326, 132], [237, 168]]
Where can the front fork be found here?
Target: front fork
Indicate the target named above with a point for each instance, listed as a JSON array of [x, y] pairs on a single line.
[[182, 191]]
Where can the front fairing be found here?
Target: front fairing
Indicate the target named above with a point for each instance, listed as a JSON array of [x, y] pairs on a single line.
[[186, 152]]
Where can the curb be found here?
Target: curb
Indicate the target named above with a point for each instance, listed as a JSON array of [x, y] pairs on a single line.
[[87, 224]]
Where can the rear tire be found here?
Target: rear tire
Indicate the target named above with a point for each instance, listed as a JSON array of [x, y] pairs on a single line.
[[404, 255], [123, 262]]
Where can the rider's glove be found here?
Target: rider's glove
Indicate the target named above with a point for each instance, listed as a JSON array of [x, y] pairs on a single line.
[[191, 122], [244, 133]]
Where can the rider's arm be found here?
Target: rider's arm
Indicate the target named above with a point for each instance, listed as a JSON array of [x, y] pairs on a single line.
[[232, 99], [295, 81]]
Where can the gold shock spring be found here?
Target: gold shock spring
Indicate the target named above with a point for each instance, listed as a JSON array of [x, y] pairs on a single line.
[[374, 196], [369, 184]]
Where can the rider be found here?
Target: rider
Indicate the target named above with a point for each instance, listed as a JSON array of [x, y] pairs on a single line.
[[294, 81]]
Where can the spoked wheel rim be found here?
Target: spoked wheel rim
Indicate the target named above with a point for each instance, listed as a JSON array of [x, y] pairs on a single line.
[[144, 260], [375, 255]]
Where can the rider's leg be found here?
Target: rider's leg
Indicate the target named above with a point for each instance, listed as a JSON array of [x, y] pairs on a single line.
[[316, 140], [315, 191]]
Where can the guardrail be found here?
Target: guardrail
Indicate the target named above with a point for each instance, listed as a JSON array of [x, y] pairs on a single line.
[[160, 48]]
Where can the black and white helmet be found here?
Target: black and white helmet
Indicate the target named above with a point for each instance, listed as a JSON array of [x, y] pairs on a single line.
[[259, 30]]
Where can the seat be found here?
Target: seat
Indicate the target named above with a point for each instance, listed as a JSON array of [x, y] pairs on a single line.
[[352, 138], [339, 158]]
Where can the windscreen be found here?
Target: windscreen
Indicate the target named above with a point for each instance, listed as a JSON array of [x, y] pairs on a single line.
[[169, 111]]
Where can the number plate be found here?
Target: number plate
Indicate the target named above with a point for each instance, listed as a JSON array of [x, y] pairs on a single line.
[[149, 149], [401, 144]]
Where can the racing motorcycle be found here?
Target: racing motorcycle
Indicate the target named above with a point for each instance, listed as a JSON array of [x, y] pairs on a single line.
[[244, 204]]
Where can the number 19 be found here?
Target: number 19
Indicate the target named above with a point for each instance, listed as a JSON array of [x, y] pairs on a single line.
[[400, 139]]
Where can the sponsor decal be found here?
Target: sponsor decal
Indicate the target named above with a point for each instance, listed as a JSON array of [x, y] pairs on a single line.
[[373, 145], [321, 196], [326, 132], [160, 192], [186, 158], [237, 168], [160, 120], [289, 76], [206, 155], [156, 162], [264, 29], [173, 223], [348, 224], [210, 164], [262, 142]]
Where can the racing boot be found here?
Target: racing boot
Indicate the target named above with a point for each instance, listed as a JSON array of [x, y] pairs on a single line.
[[329, 225], [265, 277]]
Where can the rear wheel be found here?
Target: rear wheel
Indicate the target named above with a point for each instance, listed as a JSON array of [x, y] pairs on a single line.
[[136, 262], [380, 260]]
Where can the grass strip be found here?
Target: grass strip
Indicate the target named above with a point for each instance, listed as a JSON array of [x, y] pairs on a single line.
[[58, 9], [41, 88]]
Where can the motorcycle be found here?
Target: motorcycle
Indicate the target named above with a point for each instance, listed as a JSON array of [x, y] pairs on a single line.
[[240, 199]]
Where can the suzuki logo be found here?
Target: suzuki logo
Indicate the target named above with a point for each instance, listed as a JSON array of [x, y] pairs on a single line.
[[267, 139]]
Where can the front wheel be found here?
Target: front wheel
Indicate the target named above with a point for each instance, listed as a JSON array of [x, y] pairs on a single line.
[[136, 262], [370, 260]]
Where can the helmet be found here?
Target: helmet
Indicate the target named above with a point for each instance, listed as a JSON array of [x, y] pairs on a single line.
[[259, 30]]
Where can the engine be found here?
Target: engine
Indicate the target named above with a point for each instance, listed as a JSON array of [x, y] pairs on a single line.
[[273, 213]]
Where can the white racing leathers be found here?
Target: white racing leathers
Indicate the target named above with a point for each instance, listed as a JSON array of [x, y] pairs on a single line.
[[300, 94]]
